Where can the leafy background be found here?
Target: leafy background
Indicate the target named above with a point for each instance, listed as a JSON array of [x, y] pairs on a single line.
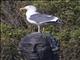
[[14, 26]]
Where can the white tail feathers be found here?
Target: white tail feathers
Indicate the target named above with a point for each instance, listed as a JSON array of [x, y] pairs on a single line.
[[55, 19]]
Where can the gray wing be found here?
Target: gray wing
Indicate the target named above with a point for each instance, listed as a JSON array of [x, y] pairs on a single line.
[[41, 18]]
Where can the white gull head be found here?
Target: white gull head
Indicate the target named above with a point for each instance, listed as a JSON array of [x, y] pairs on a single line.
[[31, 10]]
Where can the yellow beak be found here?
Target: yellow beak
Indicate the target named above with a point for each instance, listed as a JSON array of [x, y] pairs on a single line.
[[22, 9]]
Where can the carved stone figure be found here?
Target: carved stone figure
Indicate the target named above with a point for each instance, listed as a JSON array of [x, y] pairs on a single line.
[[36, 46]]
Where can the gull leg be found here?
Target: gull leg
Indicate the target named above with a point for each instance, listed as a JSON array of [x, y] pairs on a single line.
[[38, 28], [43, 29]]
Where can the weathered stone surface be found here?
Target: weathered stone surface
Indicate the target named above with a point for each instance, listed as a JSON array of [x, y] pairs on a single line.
[[39, 46]]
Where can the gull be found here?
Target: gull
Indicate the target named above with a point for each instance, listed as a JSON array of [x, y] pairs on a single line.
[[34, 17]]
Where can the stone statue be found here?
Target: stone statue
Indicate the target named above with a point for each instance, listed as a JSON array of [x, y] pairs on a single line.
[[36, 46]]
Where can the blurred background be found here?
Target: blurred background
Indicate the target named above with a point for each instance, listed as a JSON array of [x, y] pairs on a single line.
[[14, 26]]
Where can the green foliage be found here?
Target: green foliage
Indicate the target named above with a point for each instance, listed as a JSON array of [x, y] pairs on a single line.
[[14, 26], [10, 36]]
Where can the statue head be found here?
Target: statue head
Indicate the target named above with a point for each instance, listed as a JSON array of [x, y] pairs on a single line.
[[35, 47], [38, 46]]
